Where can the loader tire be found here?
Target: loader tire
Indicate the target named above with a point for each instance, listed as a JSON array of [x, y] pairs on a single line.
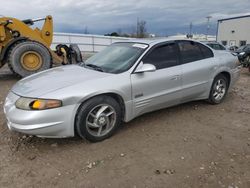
[[29, 57], [12, 70]]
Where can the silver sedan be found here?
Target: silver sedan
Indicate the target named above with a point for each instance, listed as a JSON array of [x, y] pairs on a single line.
[[123, 81]]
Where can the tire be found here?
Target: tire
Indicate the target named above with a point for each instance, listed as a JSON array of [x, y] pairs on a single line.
[[95, 120], [12, 70], [18, 53], [218, 90], [76, 53]]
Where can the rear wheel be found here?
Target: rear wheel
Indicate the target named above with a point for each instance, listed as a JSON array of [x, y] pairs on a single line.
[[219, 89], [28, 57], [98, 118]]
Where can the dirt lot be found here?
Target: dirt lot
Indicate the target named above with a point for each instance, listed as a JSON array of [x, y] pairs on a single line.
[[190, 145]]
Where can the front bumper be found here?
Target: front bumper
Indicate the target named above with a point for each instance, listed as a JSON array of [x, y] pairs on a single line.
[[57, 122]]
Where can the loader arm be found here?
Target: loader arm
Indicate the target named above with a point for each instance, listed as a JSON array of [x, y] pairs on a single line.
[[12, 25]]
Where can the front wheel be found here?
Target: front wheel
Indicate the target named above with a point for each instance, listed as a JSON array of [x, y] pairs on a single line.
[[98, 118], [218, 90]]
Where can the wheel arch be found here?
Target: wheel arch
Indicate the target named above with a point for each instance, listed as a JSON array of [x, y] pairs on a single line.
[[4, 53], [114, 95], [227, 75]]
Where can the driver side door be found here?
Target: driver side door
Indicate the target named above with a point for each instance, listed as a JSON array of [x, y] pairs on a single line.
[[161, 88]]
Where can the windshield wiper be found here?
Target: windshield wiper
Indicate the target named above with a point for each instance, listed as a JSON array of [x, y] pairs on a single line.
[[95, 67]]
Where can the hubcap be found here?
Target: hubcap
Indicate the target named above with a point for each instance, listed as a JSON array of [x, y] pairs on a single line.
[[31, 60], [219, 89], [100, 120]]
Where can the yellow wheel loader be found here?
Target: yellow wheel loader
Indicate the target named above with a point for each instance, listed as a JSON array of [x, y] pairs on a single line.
[[27, 50]]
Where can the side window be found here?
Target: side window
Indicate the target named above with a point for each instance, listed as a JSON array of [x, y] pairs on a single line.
[[206, 52], [217, 47], [190, 51], [163, 56], [222, 47]]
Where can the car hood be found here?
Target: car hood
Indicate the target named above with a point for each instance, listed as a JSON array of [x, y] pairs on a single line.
[[54, 79]]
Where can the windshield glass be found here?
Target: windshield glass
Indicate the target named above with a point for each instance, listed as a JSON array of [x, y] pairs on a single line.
[[241, 48], [116, 58]]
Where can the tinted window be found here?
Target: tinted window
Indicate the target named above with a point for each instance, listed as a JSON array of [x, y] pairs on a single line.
[[206, 52], [210, 45], [216, 46], [190, 51], [163, 56], [222, 47]]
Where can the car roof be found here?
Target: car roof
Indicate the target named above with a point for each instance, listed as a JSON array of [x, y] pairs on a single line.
[[153, 41]]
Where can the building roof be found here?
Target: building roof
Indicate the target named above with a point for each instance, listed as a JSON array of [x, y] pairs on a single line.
[[232, 18]]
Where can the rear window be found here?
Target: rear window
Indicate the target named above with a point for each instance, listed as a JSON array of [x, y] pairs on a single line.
[[192, 51], [207, 53]]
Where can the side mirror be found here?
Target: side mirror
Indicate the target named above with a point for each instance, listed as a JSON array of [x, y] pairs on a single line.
[[145, 68]]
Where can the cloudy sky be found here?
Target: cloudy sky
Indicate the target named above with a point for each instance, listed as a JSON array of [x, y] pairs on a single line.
[[163, 17]]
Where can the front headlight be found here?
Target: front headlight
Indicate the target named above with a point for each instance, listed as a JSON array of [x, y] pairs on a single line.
[[37, 104], [242, 53]]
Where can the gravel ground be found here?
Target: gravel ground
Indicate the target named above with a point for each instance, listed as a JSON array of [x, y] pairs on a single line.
[[190, 145]]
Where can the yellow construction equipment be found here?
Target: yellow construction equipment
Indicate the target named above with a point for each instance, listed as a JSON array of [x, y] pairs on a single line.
[[27, 50]]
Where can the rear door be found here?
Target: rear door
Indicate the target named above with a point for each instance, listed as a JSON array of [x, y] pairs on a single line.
[[159, 89], [197, 66]]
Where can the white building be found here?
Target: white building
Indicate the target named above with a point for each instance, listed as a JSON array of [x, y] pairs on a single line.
[[234, 31]]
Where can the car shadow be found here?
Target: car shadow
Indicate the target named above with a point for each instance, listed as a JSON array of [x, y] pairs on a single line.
[[151, 116]]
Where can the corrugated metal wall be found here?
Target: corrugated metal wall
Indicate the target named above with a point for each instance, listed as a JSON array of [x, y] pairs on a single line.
[[86, 42]]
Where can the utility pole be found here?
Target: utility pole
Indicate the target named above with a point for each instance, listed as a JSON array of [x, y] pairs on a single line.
[[190, 28], [190, 35], [208, 25], [137, 28]]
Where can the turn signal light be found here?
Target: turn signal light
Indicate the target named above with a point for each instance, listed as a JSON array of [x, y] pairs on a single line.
[[41, 104]]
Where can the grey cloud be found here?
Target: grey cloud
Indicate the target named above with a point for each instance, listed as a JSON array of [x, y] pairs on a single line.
[[162, 16]]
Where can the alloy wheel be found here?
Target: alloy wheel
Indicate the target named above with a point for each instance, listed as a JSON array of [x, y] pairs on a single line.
[[101, 120], [219, 89]]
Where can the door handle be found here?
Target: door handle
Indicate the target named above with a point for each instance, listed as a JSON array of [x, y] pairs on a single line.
[[176, 77]]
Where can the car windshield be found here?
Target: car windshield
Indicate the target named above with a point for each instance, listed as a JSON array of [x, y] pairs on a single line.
[[241, 48], [247, 47], [116, 58], [216, 46]]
